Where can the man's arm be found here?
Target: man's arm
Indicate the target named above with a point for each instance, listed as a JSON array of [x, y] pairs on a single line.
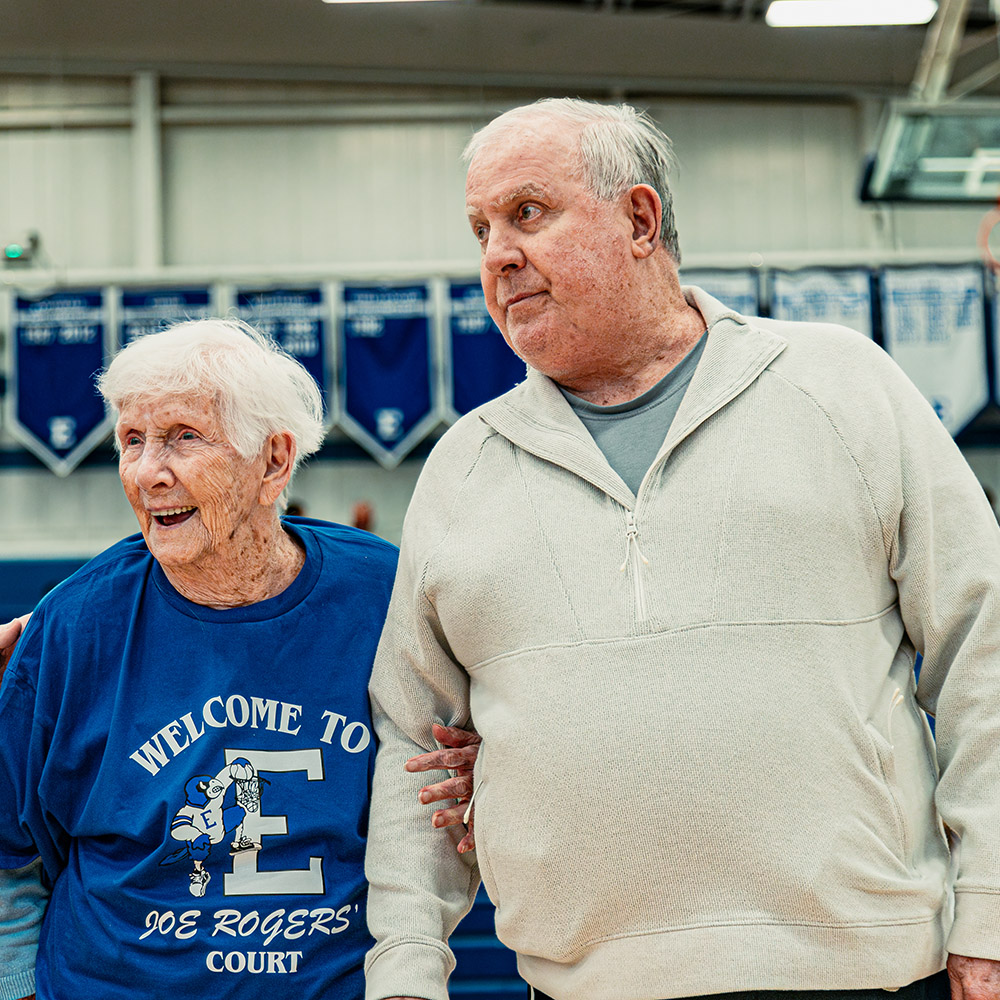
[[947, 565], [943, 547], [460, 749], [23, 900], [419, 885]]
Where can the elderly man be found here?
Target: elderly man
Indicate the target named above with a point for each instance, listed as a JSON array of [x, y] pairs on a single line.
[[677, 580], [185, 744]]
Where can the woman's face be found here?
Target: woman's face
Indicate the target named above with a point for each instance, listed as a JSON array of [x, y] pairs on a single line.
[[190, 490]]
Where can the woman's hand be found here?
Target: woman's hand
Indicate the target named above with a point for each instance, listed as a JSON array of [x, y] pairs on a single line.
[[459, 753]]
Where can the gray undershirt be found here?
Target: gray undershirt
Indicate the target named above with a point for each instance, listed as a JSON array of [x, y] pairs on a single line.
[[630, 434]]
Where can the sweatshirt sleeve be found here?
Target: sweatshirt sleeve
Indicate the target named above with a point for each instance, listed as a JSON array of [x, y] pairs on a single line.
[[23, 899], [944, 554], [419, 886]]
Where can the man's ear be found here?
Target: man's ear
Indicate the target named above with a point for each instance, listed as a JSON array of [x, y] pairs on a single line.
[[279, 457], [647, 215]]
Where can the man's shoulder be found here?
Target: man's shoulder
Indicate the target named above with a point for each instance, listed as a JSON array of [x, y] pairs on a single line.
[[827, 354], [815, 336], [459, 460], [458, 448], [860, 388]]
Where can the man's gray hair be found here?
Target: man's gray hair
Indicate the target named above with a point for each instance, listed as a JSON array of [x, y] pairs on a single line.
[[619, 148], [257, 388]]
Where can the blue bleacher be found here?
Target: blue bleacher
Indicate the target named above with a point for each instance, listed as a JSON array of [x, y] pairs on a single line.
[[485, 969]]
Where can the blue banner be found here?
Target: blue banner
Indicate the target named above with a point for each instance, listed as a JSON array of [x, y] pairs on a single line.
[[299, 320], [824, 295], [736, 289], [387, 374], [934, 320], [149, 310], [481, 364], [59, 344]]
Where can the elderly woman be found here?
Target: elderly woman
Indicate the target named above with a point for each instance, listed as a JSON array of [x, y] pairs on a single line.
[[185, 744]]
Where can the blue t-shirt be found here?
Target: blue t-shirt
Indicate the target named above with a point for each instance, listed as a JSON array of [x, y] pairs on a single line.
[[196, 781]]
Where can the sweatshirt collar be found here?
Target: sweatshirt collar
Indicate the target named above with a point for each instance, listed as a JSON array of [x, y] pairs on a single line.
[[736, 352], [535, 415]]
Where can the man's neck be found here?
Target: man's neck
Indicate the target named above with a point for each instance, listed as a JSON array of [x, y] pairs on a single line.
[[612, 387]]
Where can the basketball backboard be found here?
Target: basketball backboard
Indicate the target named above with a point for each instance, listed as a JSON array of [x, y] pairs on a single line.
[[946, 152]]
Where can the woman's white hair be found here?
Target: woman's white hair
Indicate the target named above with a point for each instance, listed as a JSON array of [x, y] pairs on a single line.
[[619, 148], [257, 388]]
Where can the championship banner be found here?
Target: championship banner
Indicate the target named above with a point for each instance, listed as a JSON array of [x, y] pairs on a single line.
[[736, 289], [58, 346], [935, 327], [387, 369], [299, 320], [149, 310], [480, 365], [824, 295]]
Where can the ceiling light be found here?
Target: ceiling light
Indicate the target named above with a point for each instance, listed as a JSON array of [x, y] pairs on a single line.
[[815, 13]]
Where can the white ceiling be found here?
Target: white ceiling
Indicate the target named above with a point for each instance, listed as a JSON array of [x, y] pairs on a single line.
[[589, 47]]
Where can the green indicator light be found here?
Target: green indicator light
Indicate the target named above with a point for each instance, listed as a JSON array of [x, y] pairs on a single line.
[[13, 251]]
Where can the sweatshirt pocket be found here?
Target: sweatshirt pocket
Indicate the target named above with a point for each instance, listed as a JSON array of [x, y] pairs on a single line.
[[885, 757]]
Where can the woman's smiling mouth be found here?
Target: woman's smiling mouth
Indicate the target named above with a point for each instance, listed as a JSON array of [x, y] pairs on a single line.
[[173, 515]]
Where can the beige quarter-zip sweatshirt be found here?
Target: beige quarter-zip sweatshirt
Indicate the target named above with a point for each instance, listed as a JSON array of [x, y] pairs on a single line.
[[705, 762]]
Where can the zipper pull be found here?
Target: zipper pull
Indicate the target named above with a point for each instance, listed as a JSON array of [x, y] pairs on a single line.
[[632, 546], [631, 541], [897, 699], [472, 798]]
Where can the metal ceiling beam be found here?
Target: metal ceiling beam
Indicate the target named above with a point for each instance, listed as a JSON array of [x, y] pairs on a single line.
[[941, 48], [974, 81], [581, 83], [984, 75], [147, 170]]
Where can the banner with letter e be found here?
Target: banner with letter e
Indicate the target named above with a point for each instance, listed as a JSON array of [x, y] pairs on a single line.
[[387, 369], [150, 310], [824, 295], [737, 289], [58, 345], [298, 319], [934, 320], [479, 363]]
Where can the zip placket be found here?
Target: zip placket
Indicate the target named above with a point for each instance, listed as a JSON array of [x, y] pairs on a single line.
[[635, 556]]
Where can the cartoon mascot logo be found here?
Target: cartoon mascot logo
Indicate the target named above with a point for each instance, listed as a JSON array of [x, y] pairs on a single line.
[[204, 820]]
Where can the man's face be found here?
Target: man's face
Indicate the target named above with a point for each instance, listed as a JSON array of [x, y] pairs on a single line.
[[190, 490], [556, 262]]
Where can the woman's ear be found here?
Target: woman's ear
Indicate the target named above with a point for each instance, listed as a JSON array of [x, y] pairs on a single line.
[[279, 457]]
